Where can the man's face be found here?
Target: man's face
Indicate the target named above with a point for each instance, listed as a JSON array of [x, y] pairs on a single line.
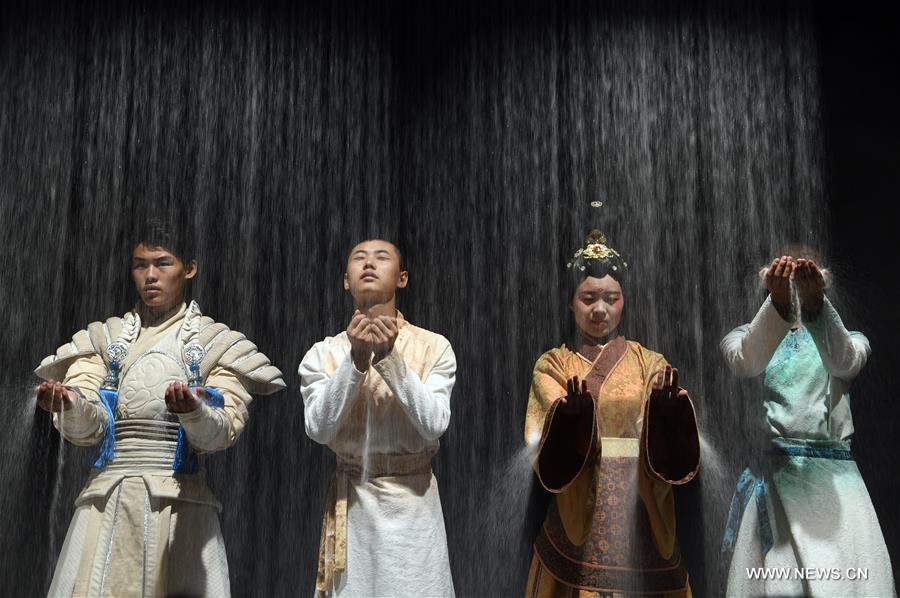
[[159, 276], [597, 305], [373, 272]]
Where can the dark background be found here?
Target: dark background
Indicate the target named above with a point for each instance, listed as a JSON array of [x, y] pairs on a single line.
[[475, 135], [862, 133]]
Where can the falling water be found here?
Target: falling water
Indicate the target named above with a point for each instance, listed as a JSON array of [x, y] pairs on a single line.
[[475, 135], [367, 443], [54, 497]]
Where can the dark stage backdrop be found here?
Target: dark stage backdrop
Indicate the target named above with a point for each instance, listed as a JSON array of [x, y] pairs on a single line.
[[473, 134], [861, 92]]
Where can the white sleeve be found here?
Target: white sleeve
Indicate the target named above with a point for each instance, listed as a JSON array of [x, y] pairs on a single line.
[[85, 424], [215, 429], [426, 404], [327, 399], [843, 353], [748, 348]]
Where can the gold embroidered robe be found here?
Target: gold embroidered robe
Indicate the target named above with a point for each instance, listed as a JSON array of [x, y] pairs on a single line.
[[611, 527]]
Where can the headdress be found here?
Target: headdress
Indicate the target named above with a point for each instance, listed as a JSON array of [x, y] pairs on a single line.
[[596, 258]]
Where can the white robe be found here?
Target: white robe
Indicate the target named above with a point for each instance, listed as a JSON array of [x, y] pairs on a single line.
[[396, 544], [817, 508]]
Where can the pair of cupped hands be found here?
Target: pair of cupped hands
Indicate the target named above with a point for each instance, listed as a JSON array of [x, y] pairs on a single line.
[[808, 280], [371, 338], [54, 397], [665, 392]]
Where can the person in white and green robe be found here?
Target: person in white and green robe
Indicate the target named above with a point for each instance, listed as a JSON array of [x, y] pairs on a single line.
[[806, 505]]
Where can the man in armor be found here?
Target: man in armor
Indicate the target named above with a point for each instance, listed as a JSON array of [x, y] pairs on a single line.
[[154, 388]]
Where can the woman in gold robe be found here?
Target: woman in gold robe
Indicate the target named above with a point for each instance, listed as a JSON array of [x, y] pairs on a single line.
[[613, 432]]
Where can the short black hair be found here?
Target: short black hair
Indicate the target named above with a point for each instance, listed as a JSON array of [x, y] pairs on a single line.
[[177, 240], [394, 245]]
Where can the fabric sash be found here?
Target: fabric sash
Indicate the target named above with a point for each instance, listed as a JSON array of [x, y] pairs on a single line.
[[748, 485], [840, 453], [751, 483], [333, 541]]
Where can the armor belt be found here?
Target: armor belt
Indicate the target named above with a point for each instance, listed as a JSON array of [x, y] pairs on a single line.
[[144, 445]]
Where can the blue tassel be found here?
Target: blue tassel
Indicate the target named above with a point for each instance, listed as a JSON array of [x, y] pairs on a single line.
[[109, 398], [185, 460], [214, 398]]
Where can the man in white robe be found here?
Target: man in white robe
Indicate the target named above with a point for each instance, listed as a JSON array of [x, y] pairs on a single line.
[[378, 395]]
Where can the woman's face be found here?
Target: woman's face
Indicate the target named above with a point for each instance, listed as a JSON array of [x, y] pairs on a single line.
[[597, 305]]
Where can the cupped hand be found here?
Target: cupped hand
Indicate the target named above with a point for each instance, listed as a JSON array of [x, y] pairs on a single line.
[[778, 283], [52, 396], [180, 398], [360, 335], [810, 284], [384, 333]]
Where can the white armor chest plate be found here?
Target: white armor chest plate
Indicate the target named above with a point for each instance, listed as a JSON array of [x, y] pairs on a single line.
[[143, 385]]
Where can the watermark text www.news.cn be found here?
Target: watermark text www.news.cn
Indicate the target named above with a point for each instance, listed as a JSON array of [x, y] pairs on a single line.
[[807, 573]]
